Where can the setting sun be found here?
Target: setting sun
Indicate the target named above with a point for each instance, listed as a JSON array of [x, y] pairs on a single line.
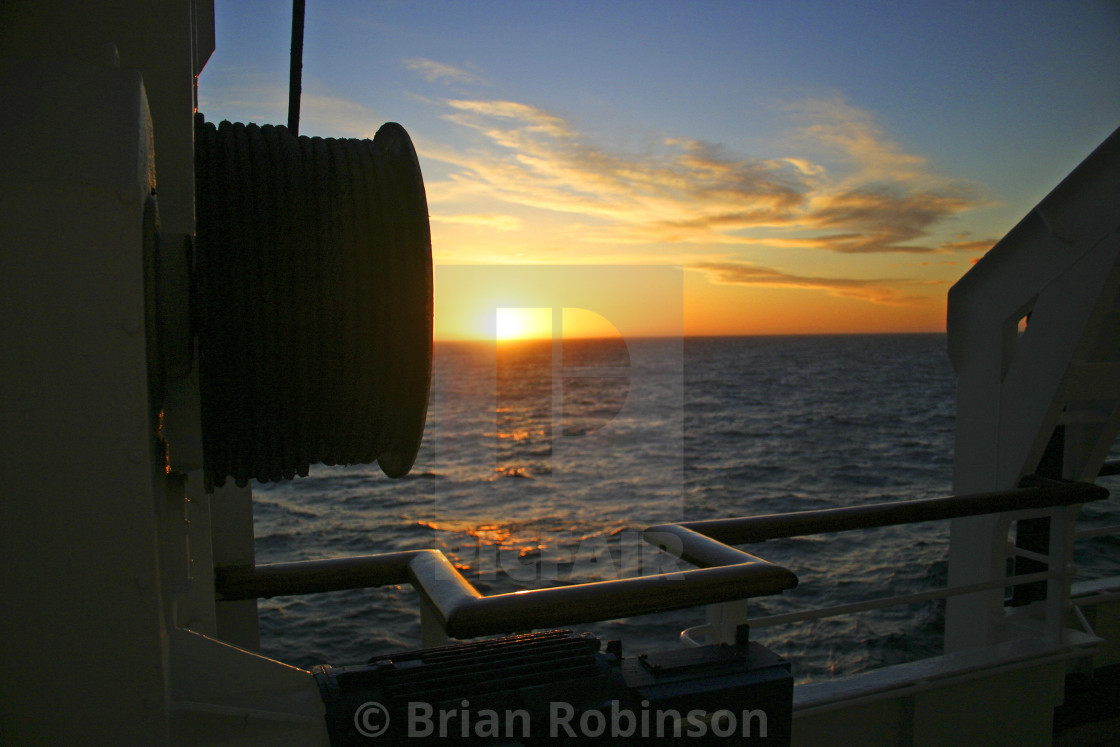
[[522, 323]]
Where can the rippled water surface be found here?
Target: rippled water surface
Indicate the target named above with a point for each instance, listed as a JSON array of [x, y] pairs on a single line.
[[541, 463]]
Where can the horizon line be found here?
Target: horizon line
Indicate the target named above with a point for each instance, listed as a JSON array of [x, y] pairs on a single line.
[[684, 336]]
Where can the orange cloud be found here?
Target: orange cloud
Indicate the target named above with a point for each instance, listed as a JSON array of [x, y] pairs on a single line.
[[881, 219], [877, 290], [980, 246], [692, 192]]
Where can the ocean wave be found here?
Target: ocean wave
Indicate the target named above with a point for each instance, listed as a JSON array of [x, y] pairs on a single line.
[[755, 426]]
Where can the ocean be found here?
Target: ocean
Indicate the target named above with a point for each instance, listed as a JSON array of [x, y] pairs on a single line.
[[542, 462]]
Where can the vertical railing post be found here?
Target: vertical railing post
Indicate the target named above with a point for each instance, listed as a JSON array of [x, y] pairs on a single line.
[[432, 633], [1063, 526], [977, 554], [725, 619]]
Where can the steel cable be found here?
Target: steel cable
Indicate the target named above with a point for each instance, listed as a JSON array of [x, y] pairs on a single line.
[[313, 303]]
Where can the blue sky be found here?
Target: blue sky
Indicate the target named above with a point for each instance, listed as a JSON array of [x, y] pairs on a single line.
[[851, 158]]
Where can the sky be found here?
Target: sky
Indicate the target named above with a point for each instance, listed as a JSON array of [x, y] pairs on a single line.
[[802, 167]]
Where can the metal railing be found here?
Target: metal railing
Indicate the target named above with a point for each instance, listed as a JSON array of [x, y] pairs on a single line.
[[744, 530], [1037, 497], [1090, 593], [452, 607]]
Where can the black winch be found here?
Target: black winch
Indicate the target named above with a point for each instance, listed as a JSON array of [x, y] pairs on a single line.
[[558, 687]]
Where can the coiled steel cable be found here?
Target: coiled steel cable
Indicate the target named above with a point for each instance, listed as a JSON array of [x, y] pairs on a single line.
[[313, 302]]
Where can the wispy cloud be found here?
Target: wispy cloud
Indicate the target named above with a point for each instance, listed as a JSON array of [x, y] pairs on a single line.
[[854, 133], [973, 247], [433, 71], [692, 192], [877, 290], [881, 218]]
